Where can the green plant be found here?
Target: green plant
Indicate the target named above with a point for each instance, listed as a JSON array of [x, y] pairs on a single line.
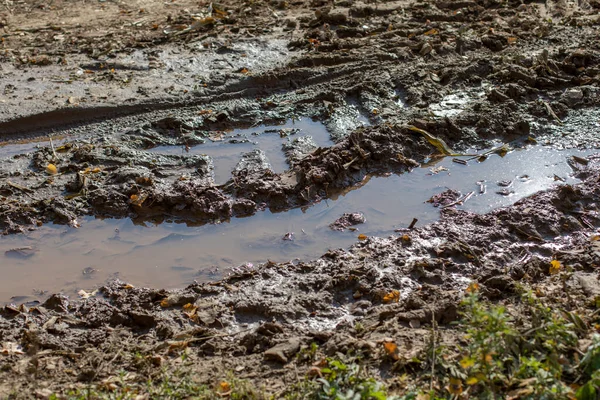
[[340, 381]]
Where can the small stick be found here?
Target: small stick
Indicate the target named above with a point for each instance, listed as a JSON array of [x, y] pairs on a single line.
[[459, 161], [23, 188], [552, 113], [460, 200], [413, 223], [53, 150]]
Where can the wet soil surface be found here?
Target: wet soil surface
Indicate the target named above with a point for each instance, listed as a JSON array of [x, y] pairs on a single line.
[[112, 113]]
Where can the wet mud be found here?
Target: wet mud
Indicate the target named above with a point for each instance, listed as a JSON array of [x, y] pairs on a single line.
[[161, 112]]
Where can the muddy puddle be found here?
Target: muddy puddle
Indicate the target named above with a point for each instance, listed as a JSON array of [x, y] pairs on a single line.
[[227, 147], [170, 255]]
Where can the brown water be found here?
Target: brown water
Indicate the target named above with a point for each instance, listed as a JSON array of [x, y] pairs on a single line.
[[172, 255]]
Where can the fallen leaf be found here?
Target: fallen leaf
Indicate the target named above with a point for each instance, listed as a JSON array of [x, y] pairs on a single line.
[[51, 169], [165, 303], [455, 386], [128, 286], [511, 40], [431, 32], [393, 296], [224, 386], [392, 350], [467, 362], [472, 288], [190, 311], [472, 381], [555, 267], [435, 141], [138, 200], [362, 237]]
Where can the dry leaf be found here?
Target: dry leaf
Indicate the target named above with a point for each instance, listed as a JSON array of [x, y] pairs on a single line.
[[362, 237], [190, 311], [472, 288], [555, 267], [128, 286], [138, 200], [391, 350], [392, 297], [224, 386], [431, 32], [51, 169], [435, 141], [165, 303], [511, 40]]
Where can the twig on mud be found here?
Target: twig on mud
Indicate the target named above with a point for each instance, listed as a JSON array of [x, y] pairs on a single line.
[[552, 113], [349, 163], [53, 149], [460, 200], [529, 236], [413, 223], [23, 188]]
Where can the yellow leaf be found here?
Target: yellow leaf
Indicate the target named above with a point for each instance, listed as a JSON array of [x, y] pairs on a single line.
[[224, 386], [165, 303], [128, 286], [455, 386], [393, 296], [467, 362], [431, 32], [511, 40], [392, 350], [472, 381], [555, 267], [435, 141], [472, 288], [138, 200], [51, 169], [362, 237]]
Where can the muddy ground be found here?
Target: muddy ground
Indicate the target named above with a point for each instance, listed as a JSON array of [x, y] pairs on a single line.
[[108, 81]]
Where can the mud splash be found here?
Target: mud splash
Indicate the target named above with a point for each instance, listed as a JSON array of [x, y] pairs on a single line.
[[172, 255]]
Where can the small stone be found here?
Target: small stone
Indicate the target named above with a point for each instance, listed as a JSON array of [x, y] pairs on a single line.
[[283, 351]]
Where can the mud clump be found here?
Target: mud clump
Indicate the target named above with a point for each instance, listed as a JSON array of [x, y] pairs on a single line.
[[347, 221]]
